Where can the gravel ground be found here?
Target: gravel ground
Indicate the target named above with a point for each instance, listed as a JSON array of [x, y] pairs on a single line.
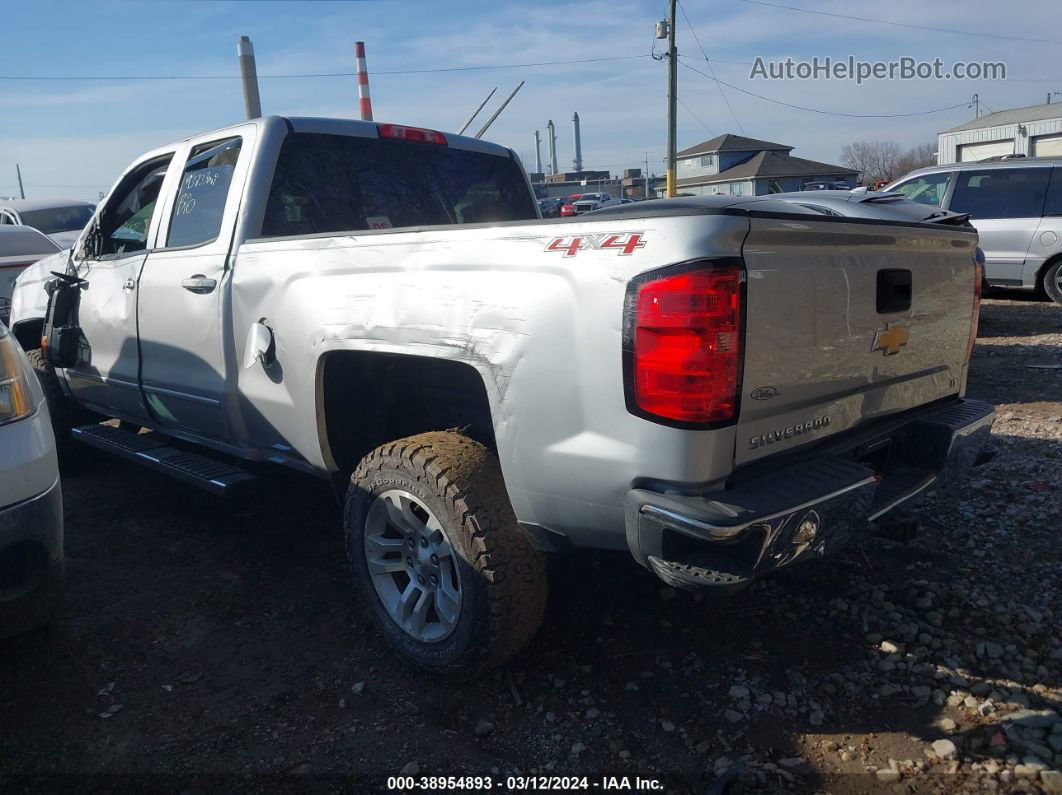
[[205, 645]]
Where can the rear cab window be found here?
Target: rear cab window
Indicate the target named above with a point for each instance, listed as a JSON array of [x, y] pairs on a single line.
[[336, 183]]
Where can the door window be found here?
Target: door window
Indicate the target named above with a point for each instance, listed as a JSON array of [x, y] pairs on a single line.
[[1053, 205], [125, 220], [927, 189], [1001, 192], [200, 204]]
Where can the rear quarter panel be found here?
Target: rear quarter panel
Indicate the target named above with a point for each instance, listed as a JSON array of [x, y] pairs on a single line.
[[544, 331]]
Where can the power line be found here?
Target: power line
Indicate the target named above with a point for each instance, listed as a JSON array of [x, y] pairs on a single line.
[[826, 112], [694, 115], [34, 185], [326, 74], [733, 115], [903, 24]]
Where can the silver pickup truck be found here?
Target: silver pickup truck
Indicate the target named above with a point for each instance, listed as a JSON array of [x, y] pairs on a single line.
[[721, 386]]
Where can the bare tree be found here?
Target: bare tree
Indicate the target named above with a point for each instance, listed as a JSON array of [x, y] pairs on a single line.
[[858, 157], [874, 160], [917, 157]]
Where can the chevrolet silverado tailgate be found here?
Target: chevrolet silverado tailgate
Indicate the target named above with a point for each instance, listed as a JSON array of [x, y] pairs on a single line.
[[848, 319]]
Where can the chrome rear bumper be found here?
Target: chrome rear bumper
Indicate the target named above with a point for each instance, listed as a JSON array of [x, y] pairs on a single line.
[[726, 539]]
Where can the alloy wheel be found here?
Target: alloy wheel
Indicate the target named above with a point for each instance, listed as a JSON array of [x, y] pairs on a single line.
[[412, 565]]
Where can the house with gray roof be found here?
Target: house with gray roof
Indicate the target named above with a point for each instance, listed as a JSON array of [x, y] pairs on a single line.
[[1033, 132], [740, 166]]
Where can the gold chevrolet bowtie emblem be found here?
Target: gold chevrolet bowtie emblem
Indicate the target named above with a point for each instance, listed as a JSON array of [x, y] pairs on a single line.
[[890, 339]]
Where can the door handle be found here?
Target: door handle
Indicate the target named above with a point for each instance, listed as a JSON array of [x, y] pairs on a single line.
[[199, 284], [130, 284]]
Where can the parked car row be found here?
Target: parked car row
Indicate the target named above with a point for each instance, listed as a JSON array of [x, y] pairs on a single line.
[[577, 204]]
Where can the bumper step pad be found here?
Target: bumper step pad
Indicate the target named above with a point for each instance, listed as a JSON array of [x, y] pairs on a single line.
[[698, 573], [154, 452]]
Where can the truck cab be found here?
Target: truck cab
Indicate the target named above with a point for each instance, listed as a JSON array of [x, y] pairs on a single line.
[[163, 339]]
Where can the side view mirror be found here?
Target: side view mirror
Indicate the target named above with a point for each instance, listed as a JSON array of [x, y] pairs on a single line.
[[61, 337]]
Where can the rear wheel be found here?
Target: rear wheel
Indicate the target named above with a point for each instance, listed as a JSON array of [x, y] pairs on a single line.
[[1053, 281], [437, 554]]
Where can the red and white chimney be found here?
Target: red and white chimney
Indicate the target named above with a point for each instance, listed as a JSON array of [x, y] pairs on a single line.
[[364, 101]]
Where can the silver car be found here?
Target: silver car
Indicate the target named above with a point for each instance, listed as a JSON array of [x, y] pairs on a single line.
[[20, 247], [61, 219], [31, 501], [1016, 206]]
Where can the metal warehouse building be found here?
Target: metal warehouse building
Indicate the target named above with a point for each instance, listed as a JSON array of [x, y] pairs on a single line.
[[1035, 131]]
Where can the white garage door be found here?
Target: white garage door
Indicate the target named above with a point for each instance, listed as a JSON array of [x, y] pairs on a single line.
[[1047, 146], [973, 152]]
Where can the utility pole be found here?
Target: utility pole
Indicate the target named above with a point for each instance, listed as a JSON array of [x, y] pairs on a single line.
[[672, 100], [977, 106], [21, 192], [646, 196], [551, 142], [252, 102]]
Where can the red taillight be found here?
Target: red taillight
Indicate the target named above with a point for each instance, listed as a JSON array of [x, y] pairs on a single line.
[[684, 339], [567, 209], [979, 277], [416, 134]]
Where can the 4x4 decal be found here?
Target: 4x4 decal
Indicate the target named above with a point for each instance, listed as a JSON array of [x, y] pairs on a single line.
[[623, 242]]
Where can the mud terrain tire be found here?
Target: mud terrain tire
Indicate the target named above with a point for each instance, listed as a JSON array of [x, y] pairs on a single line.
[[501, 578]]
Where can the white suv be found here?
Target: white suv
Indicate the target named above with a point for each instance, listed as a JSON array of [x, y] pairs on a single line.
[[31, 501]]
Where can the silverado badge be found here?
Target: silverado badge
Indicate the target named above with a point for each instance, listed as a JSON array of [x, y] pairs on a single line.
[[890, 339]]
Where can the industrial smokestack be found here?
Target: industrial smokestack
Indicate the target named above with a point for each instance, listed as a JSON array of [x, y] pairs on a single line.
[[578, 162], [551, 132], [364, 101], [538, 153], [252, 102]]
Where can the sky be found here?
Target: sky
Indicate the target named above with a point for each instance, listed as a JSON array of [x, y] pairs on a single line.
[[72, 138]]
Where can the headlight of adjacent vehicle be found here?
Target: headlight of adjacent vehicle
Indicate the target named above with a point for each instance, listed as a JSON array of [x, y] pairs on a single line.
[[16, 391]]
